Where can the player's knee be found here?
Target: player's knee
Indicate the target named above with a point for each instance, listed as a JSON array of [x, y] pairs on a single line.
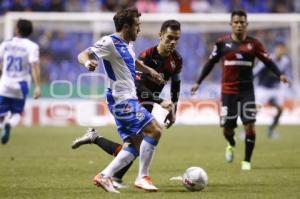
[[228, 132], [249, 129], [156, 132]]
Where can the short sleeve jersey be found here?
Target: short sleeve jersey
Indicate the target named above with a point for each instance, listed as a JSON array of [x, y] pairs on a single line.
[[17, 56], [119, 63]]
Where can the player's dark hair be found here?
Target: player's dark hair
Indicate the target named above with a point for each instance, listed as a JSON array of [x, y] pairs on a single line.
[[173, 24], [24, 27], [125, 16], [238, 13]]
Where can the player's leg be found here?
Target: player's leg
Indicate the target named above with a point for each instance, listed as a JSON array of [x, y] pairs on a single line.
[[92, 137], [130, 118], [16, 107], [152, 134], [5, 106], [249, 145], [228, 116], [271, 133], [248, 117], [123, 158], [136, 140], [118, 176]]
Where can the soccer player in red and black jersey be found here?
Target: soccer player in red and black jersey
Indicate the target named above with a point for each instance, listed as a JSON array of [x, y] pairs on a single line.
[[237, 52], [167, 61]]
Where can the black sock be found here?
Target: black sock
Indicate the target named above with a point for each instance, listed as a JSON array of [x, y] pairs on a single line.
[[108, 146], [276, 120], [249, 146], [229, 136], [122, 172]]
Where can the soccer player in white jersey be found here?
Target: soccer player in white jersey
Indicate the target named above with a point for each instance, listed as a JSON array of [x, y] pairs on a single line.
[[19, 59], [132, 119], [270, 91]]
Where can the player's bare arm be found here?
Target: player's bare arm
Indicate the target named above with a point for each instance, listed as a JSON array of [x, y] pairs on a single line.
[[84, 59], [147, 70], [36, 75]]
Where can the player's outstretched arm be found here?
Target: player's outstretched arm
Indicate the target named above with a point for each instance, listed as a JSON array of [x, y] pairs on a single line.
[[147, 70], [84, 59], [36, 75]]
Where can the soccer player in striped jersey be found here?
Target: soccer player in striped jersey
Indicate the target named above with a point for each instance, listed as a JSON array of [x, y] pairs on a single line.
[[164, 59], [132, 119], [238, 52], [19, 59]]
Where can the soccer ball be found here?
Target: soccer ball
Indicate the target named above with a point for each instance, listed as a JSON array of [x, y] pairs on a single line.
[[194, 179]]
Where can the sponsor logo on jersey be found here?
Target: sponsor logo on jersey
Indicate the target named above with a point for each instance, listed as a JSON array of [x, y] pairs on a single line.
[[237, 63]]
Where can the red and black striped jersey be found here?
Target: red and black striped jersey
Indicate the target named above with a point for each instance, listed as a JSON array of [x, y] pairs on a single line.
[[237, 62]]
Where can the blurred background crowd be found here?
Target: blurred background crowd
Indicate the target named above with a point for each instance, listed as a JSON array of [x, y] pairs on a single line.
[[183, 6], [59, 48]]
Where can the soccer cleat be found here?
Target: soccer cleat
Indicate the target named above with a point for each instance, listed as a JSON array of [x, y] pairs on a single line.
[[5, 133], [272, 134], [145, 183], [105, 182], [229, 153], [246, 166], [118, 183], [88, 138]]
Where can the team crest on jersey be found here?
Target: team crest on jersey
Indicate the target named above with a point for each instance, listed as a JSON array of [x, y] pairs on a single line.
[[140, 115], [249, 46], [173, 64]]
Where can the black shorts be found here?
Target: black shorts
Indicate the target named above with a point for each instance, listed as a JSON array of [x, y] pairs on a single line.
[[234, 105]]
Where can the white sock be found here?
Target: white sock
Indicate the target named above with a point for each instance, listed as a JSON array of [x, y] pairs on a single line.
[[147, 150], [123, 158], [14, 119]]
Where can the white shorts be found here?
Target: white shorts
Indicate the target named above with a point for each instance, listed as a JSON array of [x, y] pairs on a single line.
[[265, 95]]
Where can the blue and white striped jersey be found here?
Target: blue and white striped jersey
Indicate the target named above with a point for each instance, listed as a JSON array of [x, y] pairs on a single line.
[[119, 62]]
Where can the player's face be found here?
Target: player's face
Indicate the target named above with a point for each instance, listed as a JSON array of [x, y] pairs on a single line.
[[169, 39], [134, 30], [280, 50], [238, 25]]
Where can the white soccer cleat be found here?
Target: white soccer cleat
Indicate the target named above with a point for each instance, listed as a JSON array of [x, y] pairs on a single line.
[[118, 183], [229, 153], [105, 183], [145, 183], [246, 166], [88, 138]]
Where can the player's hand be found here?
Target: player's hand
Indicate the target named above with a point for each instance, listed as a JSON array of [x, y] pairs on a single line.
[[156, 76], [37, 92], [168, 105], [91, 65], [194, 88], [170, 119], [285, 79]]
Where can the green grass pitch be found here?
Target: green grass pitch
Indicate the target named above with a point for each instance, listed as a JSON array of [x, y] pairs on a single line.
[[39, 163]]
